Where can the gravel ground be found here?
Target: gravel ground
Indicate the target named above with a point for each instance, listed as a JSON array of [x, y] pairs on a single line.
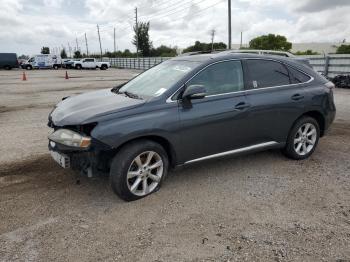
[[259, 207]]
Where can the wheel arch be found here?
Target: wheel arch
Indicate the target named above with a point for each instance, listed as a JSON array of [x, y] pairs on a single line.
[[319, 117], [165, 143]]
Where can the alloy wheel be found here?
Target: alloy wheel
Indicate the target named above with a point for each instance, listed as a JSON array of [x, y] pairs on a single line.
[[145, 173], [305, 139]]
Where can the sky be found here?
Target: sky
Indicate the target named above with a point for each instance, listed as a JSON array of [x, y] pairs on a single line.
[[26, 26]]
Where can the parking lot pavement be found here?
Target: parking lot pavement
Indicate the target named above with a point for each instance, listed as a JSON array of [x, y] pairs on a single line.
[[259, 207]]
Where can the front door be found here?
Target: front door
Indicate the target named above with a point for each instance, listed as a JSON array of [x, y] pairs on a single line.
[[216, 123]]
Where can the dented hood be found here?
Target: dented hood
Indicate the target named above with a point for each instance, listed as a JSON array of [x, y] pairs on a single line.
[[80, 109]]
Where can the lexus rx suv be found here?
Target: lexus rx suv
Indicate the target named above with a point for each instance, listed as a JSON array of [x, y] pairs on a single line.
[[190, 109]]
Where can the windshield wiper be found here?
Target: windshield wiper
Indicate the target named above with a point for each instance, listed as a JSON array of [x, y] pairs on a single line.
[[129, 94]]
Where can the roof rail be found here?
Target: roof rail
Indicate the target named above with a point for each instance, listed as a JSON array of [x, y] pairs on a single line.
[[203, 52]]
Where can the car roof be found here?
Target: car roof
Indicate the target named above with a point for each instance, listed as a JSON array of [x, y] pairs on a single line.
[[206, 58], [225, 55]]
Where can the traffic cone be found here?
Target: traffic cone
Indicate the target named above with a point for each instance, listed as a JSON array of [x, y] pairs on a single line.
[[24, 78], [66, 77]]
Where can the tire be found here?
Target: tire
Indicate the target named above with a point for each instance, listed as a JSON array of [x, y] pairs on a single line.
[[131, 187], [55, 67], [29, 67], [78, 67], [103, 67], [8, 67], [302, 139]]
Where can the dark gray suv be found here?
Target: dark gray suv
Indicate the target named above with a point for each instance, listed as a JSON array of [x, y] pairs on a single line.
[[188, 109]]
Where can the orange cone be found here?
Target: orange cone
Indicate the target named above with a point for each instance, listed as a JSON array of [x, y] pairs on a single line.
[[24, 78], [66, 75]]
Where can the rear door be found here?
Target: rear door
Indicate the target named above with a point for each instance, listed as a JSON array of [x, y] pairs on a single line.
[[216, 123], [276, 99]]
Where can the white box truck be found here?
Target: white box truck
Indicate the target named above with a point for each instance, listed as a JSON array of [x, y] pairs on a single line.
[[43, 61]]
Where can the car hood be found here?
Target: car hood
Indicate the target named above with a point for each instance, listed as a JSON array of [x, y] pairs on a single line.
[[80, 109]]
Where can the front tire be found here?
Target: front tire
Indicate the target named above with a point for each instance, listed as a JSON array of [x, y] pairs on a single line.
[[302, 139], [138, 169]]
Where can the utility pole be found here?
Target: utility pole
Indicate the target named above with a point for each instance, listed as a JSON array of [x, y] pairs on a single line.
[[99, 39], [115, 50], [241, 40], [137, 34], [76, 41], [87, 48], [69, 50], [212, 32], [229, 24]]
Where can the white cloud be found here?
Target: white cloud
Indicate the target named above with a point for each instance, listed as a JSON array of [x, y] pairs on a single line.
[[26, 26]]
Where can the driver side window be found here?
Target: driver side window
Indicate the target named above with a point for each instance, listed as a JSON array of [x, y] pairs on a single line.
[[220, 78]]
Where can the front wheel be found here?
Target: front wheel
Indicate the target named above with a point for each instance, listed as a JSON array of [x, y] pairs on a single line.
[[302, 139], [138, 169]]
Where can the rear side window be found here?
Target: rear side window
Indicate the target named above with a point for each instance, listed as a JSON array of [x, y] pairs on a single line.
[[266, 73], [220, 78], [297, 77]]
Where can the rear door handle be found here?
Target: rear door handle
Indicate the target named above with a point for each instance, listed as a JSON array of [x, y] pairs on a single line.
[[242, 106], [297, 97]]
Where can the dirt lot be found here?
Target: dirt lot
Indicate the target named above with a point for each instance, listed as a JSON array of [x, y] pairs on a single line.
[[261, 207]]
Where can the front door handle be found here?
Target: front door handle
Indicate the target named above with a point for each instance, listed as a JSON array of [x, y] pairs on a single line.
[[242, 106], [297, 97]]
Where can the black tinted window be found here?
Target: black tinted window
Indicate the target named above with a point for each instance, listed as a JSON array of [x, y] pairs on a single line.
[[297, 76], [266, 73], [220, 78]]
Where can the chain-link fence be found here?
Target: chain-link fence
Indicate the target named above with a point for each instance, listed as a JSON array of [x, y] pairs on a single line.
[[142, 63], [329, 65]]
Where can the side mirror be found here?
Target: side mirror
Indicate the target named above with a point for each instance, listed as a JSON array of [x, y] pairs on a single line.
[[194, 92]]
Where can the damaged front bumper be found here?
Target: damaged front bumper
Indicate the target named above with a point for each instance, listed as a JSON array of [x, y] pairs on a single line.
[[86, 160]]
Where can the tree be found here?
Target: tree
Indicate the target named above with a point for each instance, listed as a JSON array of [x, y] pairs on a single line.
[[343, 49], [77, 54], [198, 46], [270, 42], [23, 57], [141, 38], [164, 51], [307, 52], [63, 53], [45, 50]]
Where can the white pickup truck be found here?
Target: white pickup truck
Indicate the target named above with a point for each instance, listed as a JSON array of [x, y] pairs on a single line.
[[90, 63]]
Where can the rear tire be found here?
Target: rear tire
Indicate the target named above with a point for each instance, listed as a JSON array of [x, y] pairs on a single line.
[[104, 67], [302, 139], [78, 67], [29, 67], [138, 169], [8, 67], [55, 67]]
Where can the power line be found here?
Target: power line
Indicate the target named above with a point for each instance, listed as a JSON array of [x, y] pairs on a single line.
[[166, 14], [165, 9]]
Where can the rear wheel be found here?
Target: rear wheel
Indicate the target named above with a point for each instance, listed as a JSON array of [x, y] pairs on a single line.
[[8, 67], [29, 67], [138, 169], [78, 67], [55, 67], [103, 67], [303, 138]]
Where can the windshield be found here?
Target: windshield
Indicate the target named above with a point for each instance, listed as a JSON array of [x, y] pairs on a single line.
[[158, 79]]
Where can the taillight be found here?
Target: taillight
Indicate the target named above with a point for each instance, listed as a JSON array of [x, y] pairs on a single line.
[[329, 85]]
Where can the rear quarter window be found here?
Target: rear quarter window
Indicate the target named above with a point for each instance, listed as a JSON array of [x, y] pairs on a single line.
[[297, 77]]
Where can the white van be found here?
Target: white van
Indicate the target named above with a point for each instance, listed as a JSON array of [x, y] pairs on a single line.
[[43, 61]]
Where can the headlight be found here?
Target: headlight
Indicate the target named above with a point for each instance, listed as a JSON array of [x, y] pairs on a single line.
[[70, 138]]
